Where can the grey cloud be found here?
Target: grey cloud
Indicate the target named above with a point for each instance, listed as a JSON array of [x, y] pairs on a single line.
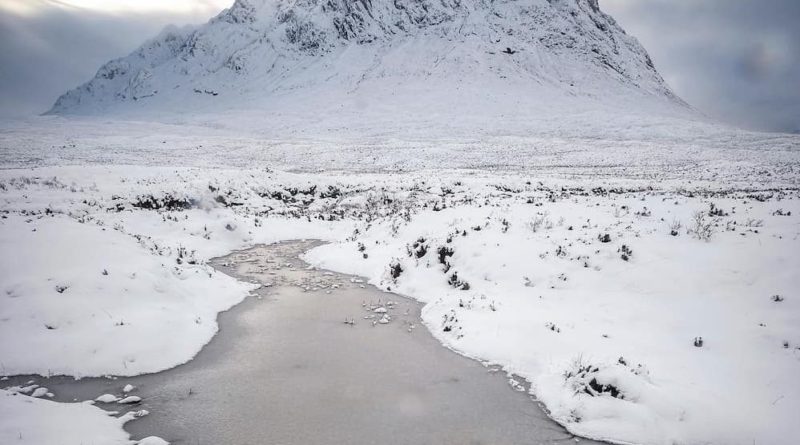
[[45, 54], [737, 60]]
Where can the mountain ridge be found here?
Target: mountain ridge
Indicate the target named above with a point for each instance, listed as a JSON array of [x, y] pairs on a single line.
[[256, 52]]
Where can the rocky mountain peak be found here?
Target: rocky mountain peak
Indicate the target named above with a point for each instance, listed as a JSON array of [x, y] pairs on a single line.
[[259, 48]]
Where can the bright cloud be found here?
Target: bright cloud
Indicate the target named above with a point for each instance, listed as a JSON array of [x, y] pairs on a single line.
[[29, 7]]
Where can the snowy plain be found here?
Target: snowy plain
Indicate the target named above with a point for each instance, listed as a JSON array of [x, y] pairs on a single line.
[[520, 167], [515, 269]]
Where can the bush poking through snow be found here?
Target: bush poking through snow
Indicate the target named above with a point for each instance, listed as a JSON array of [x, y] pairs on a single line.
[[443, 253], [418, 249], [604, 238], [457, 283], [675, 227], [780, 212], [330, 192], [395, 270], [539, 222], [625, 252], [585, 379], [698, 342], [714, 211], [450, 323], [167, 202], [552, 327], [777, 298], [185, 256], [702, 228]]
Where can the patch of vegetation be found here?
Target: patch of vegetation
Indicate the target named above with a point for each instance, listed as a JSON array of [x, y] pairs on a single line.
[[675, 227], [701, 228], [714, 211], [418, 249], [166, 202], [539, 222], [395, 270], [330, 192], [625, 252], [584, 379], [443, 253], [457, 283]]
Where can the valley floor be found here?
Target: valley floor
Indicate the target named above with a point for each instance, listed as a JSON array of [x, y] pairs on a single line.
[[643, 306]]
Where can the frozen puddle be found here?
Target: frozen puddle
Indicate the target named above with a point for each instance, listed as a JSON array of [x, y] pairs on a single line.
[[307, 361]]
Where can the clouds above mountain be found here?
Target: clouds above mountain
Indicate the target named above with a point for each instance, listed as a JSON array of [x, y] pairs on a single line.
[[737, 60], [48, 47]]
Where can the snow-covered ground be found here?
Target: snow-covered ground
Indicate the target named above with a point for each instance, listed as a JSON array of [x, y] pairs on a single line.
[[520, 167], [27, 419], [642, 310]]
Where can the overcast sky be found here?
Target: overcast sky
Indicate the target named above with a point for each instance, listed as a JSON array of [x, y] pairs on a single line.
[[736, 60]]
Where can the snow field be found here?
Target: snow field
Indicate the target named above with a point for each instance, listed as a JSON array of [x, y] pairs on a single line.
[[579, 286]]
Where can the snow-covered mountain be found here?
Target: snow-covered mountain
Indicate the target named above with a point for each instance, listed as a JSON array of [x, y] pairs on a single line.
[[445, 61]]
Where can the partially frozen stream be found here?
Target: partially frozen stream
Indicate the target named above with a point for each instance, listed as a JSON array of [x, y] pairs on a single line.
[[285, 368]]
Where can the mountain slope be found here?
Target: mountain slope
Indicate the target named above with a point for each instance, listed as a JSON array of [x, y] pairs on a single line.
[[430, 60]]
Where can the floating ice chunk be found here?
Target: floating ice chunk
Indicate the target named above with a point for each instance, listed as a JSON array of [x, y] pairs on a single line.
[[131, 399], [27, 389], [128, 388], [380, 310], [107, 398], [152, 440], [39, 392]]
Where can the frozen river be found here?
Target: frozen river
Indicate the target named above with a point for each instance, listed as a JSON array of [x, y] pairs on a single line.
[[322, 358]]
